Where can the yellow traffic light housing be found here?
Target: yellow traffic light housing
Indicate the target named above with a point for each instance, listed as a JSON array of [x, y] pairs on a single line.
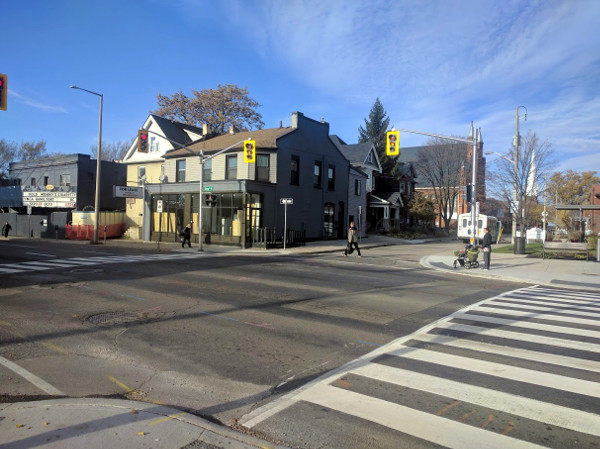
[[249, 151], [3, 91], [142, 141], [392, 146]]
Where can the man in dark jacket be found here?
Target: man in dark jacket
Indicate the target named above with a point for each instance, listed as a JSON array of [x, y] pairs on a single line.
[[6, 229], [486, 245], [187, 235]]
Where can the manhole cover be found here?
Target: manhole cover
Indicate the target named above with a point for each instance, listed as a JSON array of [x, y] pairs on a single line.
[[111, 318]]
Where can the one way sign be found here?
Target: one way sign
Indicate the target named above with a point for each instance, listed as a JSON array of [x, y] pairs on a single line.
[[286, 201]]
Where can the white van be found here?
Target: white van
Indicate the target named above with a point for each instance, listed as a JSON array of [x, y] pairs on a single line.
[[483, 221]]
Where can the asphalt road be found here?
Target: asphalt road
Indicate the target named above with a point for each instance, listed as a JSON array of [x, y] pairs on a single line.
[[219, 335]]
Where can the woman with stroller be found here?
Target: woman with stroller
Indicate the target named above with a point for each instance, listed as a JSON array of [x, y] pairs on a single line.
[[486, 245]]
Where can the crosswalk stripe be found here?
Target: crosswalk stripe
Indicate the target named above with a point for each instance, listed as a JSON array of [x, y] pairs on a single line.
[[565, 337], [525, 354], [420, 424], [10, 270], [512, 335], [578, 386], [527, 325], [40, 265], [542, 316], [516, 405], [522, 303]]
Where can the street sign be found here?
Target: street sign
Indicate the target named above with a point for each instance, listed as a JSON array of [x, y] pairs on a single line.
[[159, 205], [286, 201], [208, 188], [544, 214]]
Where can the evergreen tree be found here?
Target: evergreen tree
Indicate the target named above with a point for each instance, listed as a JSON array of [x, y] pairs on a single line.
[[376, 127]]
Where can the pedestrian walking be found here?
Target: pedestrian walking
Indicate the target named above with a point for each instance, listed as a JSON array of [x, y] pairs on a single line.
[[486, 244], [6, 229], [187, 235], [352, 240]]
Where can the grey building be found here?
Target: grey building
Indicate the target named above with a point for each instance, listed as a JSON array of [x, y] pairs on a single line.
[[62, 183]]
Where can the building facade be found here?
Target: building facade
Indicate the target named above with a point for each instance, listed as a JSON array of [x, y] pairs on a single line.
[[299, 163]]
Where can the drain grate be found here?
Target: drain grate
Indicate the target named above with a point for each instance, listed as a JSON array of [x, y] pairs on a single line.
[[115, 318]]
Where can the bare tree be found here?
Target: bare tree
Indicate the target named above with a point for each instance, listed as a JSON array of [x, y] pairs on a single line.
[[442, 164], [535, 160], [220, 108], [111, 151], [15, 152]]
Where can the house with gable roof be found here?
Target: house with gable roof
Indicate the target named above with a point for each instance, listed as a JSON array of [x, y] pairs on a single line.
[[298, 162], [148, 168], [388, 197]]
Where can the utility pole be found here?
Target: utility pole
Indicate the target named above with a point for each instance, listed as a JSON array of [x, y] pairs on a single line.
[[517, 204]]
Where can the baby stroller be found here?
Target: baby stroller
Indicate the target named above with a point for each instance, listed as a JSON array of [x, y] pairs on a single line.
[[467, 257]]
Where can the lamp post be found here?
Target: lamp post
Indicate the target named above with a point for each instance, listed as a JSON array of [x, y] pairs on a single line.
[[97, 198]]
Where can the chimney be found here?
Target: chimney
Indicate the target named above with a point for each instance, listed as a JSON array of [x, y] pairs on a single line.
[[231, 129], [205, 129]]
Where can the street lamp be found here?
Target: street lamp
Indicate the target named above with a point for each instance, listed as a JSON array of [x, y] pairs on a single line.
[[97, 198]]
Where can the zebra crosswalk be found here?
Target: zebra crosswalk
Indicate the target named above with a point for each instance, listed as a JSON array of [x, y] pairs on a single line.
[[73, 262], [518, 370]]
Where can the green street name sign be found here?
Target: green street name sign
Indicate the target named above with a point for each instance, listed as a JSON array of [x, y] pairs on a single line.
[[208, 188]]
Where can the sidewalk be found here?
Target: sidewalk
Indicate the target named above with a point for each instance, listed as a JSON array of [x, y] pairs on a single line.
[[112, 423], [100, 423], [566, 273]]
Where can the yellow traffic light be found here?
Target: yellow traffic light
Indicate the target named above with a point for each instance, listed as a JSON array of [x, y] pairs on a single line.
[[3, 91], [142, 141], [392, 146], [249, 151]]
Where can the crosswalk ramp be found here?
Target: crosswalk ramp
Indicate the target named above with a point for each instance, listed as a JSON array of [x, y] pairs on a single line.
[[74, 262], [518, 370]]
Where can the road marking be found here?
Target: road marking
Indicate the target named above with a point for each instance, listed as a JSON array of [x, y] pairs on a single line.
[[54, 347], [525, 354], [420, 424], [40, 254], [498, 400], [120, 384], [31, 378]]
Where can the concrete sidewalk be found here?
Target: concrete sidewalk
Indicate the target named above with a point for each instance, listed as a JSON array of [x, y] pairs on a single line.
[[567, 273], [111, 423], [100, 423]]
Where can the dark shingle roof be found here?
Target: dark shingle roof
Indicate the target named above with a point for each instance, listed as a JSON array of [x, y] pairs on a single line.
[[265, 138], [175, 130], [355, 153]]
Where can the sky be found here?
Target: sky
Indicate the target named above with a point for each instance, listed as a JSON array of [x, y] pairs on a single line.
[[435, 65]]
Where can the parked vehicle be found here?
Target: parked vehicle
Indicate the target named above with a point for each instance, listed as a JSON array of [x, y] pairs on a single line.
[[464, 228]]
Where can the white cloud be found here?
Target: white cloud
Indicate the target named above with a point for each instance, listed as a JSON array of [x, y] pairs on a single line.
[[35, 104]]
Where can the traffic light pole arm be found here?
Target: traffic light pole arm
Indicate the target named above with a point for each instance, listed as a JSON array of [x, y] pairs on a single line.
[[472, 141], [456, 139]]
